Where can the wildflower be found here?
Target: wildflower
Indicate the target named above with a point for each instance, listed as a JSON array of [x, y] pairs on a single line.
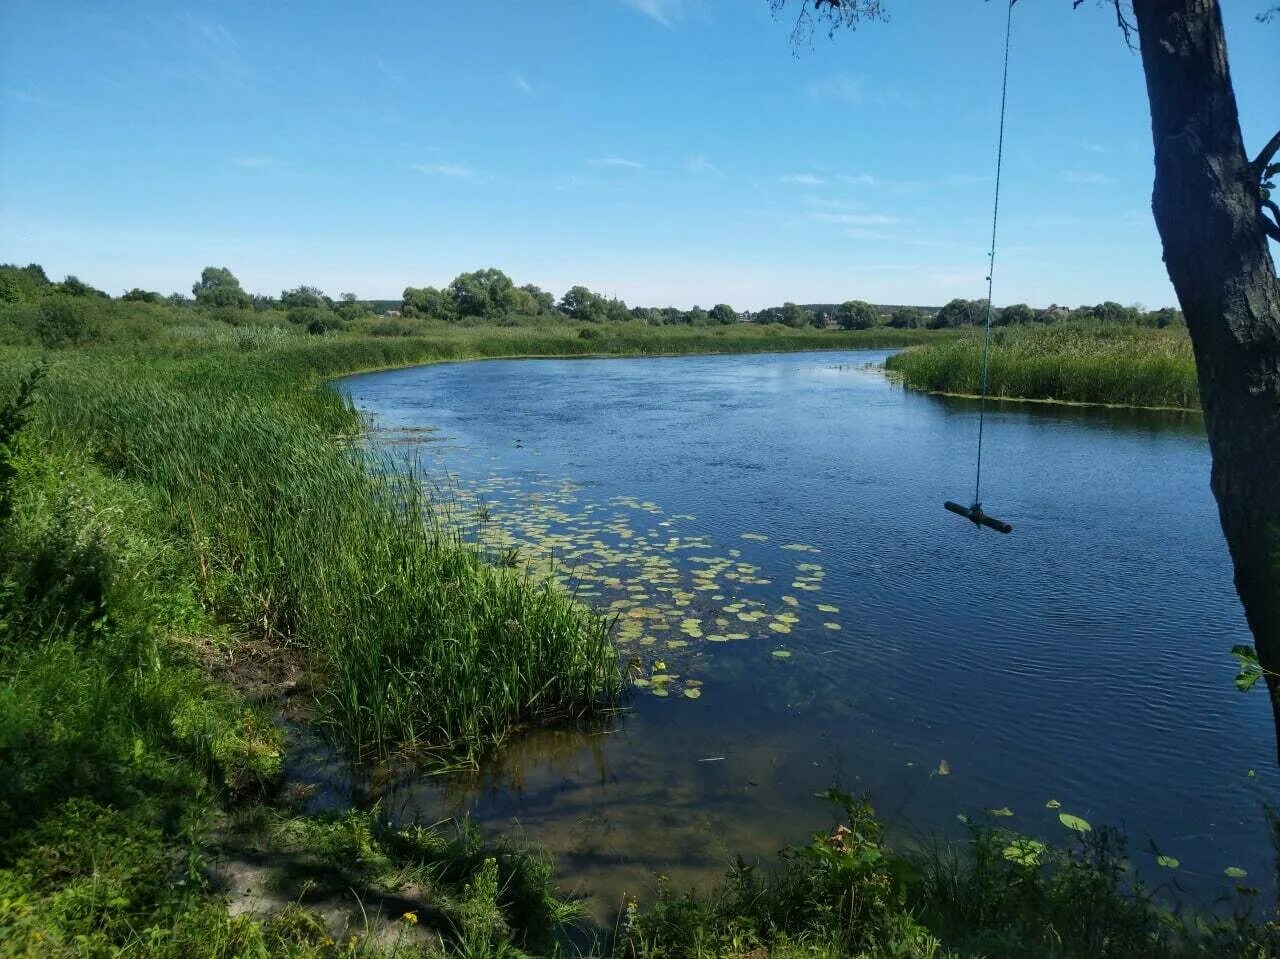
[[410, 918]]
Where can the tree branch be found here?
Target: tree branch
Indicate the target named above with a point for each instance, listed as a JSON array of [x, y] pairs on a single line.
[[834, 14], [1260, 163], [1272, 228]]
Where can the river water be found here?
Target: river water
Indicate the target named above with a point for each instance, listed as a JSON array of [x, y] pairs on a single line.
[[799, 610]]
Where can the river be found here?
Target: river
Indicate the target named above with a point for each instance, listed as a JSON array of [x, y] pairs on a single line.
[[800, 610]]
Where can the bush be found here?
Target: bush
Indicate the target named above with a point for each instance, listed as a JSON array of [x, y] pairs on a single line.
[[62, 321]]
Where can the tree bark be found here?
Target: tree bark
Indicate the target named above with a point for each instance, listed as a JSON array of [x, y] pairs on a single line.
[[1206, 204]]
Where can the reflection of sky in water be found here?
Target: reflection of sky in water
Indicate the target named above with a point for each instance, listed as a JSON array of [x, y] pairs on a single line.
[[768, 532]]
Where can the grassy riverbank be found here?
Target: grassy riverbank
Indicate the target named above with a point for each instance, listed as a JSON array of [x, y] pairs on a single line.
[[1072, 363], [191, 543]]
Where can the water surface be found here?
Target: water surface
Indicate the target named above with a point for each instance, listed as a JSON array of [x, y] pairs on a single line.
[[1083, 659]]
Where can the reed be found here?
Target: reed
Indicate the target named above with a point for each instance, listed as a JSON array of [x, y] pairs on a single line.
[[1074, 363]]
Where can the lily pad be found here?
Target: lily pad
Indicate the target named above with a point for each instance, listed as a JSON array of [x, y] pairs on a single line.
[[1003, 811], [1235, 872], [781, 654], [1025, 852], [833, 626], [1074, 822], [1053, 804], [828, 608], [692, 693], [944, 768], [1169, 862]]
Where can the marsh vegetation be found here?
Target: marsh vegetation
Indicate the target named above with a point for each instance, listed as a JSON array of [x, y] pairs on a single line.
[[183, 499]]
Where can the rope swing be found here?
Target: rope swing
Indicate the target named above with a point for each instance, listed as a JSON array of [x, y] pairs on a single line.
[[974, 512]]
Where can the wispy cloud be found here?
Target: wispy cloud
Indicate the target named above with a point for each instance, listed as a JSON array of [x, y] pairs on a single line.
[[842, 86], [251, 162], [27, 97], [852, 219], [802, 179], [1087, 178], [1092, 147], [522, 84], [617, 162], [700, 164], [665, 12], [213, 52], [456, 170]]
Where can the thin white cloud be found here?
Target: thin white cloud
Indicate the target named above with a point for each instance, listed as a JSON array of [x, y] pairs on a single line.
[[251, 162], [456, 170], [27, 97], [852, 219], [860, 179], [665, 12], [213, 52], [803, 179], [522, 84], [1092, 147], [1087, 178], [845, 87], [700, 164], [617, 162]]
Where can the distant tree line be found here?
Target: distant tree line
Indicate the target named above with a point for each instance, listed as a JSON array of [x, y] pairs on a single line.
[[64, 313], [859, 315]]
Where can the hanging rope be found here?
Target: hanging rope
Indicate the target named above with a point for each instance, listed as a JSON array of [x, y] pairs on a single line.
[[991, 258]]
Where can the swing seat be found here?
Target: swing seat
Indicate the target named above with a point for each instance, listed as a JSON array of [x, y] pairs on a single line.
[[975, 514]]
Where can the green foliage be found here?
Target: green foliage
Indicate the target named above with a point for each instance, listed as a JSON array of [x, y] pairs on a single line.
[[218, 288], [1071, 362], [74, 286], [62, 321], [724, 314], [959, 312], [14, 414], [906, 318], [1015, 314], [304, 298], [839, 895], [856, 315], [349, 308], [427, 302], [486, 294], [137, 295], [22, 284], [539, 300], [579, 303], [795, 316]]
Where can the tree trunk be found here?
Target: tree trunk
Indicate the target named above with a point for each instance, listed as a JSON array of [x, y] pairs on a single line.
[[1206, 209]]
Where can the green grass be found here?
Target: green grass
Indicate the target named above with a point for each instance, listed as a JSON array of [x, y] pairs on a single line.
[[184, 492], [1074, 363]]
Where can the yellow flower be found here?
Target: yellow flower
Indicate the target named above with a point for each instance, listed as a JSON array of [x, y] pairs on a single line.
[[410, 918]]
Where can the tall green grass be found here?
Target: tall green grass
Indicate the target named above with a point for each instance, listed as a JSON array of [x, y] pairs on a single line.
[[1076, 363], [416, 641]]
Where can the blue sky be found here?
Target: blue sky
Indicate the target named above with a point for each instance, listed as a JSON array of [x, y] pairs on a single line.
[[665, 151]]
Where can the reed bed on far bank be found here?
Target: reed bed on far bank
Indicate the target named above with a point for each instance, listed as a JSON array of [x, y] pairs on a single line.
[[1073, 363]]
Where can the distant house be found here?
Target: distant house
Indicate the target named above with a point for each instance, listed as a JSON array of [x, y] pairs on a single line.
[[391, 313]]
